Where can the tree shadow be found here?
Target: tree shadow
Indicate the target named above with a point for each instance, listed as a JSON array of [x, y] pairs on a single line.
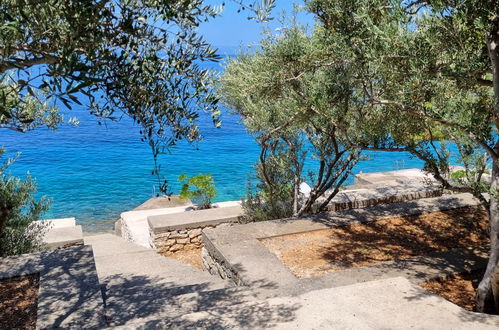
[[371, 239], [151, 302], [69, 294], [468, 318]]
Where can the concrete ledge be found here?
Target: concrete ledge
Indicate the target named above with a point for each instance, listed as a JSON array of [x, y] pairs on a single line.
[[410, 176], [61, 222], [69, 294], [194, 219], [64, 237], [372, 196], [134, 226]]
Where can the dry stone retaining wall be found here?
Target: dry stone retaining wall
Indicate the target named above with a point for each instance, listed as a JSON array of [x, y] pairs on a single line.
[[180, 240]]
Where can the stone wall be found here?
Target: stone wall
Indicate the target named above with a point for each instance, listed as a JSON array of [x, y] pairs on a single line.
[[179, 240], [363, 198], [215, 266]]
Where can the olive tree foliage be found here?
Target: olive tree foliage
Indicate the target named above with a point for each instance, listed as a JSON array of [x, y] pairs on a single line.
[[295, 109], [19, 232], [135, 58], [428, 71]]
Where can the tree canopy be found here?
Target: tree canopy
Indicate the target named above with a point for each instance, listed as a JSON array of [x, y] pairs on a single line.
[[427, 71], [136, 58], [417, 75]]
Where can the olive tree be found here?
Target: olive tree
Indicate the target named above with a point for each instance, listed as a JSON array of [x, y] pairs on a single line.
[[135, 58], [296, 110], [428, 71]]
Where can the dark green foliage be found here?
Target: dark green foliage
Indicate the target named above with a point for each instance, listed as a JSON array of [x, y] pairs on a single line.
[[19, 210], [139, 58], [297, 106], [273, 196]]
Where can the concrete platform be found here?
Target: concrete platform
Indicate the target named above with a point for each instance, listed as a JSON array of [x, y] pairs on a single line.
[[64, 236], [239, 255], [194, 219], [393, 303], [376, 194], [406, 176], [62, 233], [135, 227]]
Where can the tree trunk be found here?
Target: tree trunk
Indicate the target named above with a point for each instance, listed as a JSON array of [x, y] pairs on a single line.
[[484, 297]]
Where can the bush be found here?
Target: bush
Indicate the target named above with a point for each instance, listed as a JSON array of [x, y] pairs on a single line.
[[260, 206], [274, 200], [200, 189], [19, 231]]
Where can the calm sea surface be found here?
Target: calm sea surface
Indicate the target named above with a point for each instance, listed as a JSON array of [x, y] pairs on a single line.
[[96, 172]]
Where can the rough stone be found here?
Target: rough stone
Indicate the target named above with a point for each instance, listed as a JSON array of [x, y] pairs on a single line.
[[195, 232], [183, 241], [163, 202], [170, 242], [196, 239], [176, 234], [176, 247]]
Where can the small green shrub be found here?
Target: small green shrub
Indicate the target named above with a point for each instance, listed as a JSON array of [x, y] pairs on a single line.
[[461, 174], [261, 206], [19, 231], [200, 189], [265, 202]]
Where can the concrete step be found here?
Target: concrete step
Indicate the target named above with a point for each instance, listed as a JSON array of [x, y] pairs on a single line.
[[393, 303], [69, 292], [162, 307], [378, 194], [139, 282], [116, 257], [62, 233]]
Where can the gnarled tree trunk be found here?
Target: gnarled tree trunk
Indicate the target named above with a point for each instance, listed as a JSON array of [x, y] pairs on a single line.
[[485, 298]]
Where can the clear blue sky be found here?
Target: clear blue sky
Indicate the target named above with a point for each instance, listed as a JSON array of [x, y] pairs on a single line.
[[233, 29]]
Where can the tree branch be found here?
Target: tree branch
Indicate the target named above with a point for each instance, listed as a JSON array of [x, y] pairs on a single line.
[[21, 64]]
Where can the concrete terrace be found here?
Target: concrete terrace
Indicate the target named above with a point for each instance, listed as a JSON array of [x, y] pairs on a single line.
[[117, 282]]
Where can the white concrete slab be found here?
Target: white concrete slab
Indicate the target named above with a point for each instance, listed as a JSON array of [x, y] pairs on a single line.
[[64, 236], [135, 227], [61, 222]]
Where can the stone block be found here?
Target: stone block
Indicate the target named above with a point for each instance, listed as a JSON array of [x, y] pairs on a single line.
[[163, 235], [176, 234], [197, 239], [195, 232], [169, 242], [176, 247], [183, 241]]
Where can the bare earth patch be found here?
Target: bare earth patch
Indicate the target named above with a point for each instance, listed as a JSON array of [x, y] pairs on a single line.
[[191, 257], [18, 302], [321, 251], [458, 289]]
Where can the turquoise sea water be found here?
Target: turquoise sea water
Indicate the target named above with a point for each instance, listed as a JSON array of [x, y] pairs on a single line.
[[96, 172]]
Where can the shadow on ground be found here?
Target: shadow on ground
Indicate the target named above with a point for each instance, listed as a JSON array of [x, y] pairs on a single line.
[[159, 304]]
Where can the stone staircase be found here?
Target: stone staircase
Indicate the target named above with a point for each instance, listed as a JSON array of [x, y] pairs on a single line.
[[139, 283]]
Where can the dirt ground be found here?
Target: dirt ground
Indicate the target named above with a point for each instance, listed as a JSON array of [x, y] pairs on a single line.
[[18, 302], [191, 257], [458, 289], [317, 252]]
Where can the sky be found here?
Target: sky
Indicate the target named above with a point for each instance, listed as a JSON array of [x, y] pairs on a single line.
[[232, 30]]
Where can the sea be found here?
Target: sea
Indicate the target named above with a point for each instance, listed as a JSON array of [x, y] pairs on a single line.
[[93, 171]]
